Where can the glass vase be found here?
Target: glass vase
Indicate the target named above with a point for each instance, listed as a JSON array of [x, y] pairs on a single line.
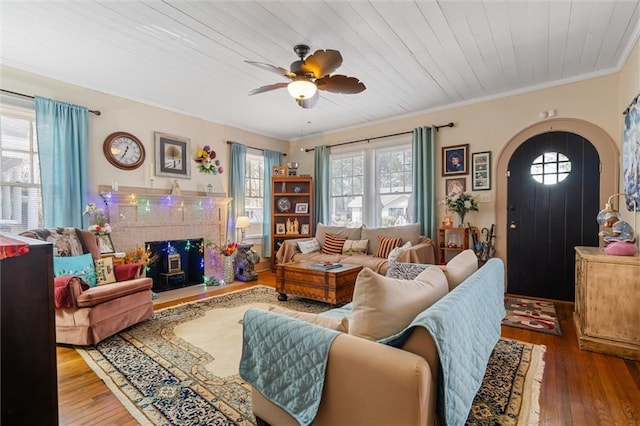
[[461, 225], [228, 269]]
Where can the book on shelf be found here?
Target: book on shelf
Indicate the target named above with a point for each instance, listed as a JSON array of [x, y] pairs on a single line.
[[325, 265]]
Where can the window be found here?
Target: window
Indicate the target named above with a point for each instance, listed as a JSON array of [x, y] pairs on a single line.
[[550, 168], [372, 186], [20, 199], [254, 193]]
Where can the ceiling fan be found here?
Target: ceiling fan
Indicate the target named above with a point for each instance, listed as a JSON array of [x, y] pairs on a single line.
[[310, 75]]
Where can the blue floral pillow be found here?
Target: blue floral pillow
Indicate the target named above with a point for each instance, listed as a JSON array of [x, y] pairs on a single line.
[[81, 266]]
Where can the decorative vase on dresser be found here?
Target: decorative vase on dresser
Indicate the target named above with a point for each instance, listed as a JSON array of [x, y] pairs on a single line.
[[607, 304]]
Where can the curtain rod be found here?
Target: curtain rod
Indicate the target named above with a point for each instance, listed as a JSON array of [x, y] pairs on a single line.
[[96, 112], [380, 137], [257, 149]]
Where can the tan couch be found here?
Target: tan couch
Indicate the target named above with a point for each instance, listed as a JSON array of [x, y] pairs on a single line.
[[421, 251], [370, 383], [99, 312]]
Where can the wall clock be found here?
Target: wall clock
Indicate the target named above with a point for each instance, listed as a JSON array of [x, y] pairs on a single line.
[[123, 150]]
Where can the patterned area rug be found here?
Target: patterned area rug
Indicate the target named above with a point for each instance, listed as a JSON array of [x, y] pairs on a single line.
[[535, 315], [176, 369]]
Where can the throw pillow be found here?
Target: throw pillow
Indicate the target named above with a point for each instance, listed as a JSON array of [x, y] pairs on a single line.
[[460, 267], [355, 247], [386, 244], [104, 271], [338, 324], [383, 307], [409, 232], [350, 233], [309, 246], [81, 266], [333, 244], [405, 271], [396, 252]]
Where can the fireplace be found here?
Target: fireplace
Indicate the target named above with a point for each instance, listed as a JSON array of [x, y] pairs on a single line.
[[180, 263]]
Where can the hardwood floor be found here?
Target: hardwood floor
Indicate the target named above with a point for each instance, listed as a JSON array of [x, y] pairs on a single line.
[[578, 388]]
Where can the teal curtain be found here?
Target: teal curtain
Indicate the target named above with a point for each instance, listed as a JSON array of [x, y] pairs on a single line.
[[424, 203], [237, 173], [271, 158], [63, 150], [321, 210]]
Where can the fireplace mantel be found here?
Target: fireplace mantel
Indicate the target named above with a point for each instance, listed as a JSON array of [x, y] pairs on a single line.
[[137, 215]]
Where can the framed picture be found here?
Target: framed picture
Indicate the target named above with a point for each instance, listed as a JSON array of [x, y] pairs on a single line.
[[279, 170], [481, 171], [304, 229], [302, 207], [280, 229], [455, 185], [105, 244], [455, 160], [173, 156]]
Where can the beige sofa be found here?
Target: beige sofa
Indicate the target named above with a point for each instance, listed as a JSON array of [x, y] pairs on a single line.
[[92, 314], [422, 249], [367, 382]]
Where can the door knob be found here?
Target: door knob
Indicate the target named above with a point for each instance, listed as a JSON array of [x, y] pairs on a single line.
[[513, 225]]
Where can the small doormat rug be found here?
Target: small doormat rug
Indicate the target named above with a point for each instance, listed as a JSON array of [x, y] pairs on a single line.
[[181, 367], [530, 314]]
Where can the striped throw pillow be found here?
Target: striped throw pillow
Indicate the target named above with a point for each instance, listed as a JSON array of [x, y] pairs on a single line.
[[333, 244], [386, 244]]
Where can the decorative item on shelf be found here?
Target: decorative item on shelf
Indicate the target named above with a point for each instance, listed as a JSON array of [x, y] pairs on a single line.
[[461, 204], [99, 227], [297, 189], [207, 162], [242, 223], [293, 226], [620, 241], [293, 168], [279, 171], [175, 188], [284, 205]]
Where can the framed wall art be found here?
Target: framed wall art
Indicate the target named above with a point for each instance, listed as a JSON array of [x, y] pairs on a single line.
[[481, 171], [455, 185], [280, 228], [455, 160], [279, 171], [172, 156], [302, 207], [304, 229], [105, 244]]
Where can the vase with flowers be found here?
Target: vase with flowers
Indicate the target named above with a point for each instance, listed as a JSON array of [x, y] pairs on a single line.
[[223, 256], [98, 218], [460, 204]]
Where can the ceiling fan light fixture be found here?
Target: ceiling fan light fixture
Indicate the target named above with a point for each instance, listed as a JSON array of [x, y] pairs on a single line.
[[302, 89]]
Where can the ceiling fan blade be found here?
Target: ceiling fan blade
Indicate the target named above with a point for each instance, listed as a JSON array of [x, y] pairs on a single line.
[[340, 84], [322, 63], [272, 68], [309, 103], [268, 88]]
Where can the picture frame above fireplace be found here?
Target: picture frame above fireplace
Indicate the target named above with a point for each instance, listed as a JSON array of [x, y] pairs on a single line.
[[173, 158]]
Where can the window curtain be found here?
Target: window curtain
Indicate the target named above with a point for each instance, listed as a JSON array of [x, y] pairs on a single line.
[[424, 207], [271, 158], [237, 175], [321, 185], [63, 150]]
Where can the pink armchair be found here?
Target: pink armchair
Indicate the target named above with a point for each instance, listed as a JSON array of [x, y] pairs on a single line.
[[85, 316]]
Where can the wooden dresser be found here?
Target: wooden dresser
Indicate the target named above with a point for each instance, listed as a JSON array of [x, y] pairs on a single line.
[[607, 308]]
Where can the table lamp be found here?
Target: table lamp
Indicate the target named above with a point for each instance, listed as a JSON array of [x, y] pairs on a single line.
[[621, 240], [242, 223]]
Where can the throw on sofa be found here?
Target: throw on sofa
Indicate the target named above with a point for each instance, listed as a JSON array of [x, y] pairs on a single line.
[[370, 247], [402, 335], [94, 299]]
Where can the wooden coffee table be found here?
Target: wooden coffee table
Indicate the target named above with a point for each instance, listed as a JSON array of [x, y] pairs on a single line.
[[331, 286]]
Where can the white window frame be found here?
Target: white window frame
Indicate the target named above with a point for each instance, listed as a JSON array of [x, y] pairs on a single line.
[[255, 156], [20, 201], [370, 215]]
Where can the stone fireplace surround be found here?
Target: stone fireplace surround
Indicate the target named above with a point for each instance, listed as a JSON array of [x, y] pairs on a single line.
[[138, 215]]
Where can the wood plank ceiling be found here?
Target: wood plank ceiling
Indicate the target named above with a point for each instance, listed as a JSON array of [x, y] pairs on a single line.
[[188, 56]]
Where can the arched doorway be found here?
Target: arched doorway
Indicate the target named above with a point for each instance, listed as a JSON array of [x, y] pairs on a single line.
[[604, 144]]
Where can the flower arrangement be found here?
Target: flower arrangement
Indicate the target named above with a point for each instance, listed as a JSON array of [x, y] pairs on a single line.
[[99, 225], [461, 204], [141, 256], [226, 250], [206, 158]]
